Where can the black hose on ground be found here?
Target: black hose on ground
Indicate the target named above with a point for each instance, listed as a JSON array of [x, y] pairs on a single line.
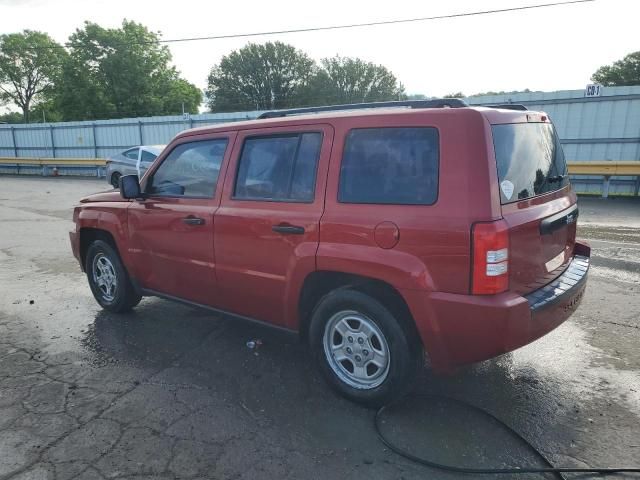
[[486, 471]]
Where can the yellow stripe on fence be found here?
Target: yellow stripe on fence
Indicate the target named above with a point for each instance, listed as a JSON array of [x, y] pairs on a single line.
[[57, 162], [609, 169], [575, 168]]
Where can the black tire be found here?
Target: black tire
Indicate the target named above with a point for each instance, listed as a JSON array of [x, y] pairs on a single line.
[[404, 350], [119, 297], [115, 179]]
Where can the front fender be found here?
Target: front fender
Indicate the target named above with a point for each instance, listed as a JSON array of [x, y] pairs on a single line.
[[109, 217]]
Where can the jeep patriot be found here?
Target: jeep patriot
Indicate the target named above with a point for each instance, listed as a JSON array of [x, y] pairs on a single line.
[[382, 233]]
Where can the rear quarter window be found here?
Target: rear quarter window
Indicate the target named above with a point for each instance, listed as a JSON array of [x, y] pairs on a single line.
[[131, 153], [397, 166]]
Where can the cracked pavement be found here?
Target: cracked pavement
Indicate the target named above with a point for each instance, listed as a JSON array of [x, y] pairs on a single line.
[[170, 391]]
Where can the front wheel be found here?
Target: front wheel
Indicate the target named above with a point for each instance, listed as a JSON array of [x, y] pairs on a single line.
[[108, 279], [362, 349]]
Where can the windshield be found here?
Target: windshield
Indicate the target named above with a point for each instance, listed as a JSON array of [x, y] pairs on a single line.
[[530, 160]]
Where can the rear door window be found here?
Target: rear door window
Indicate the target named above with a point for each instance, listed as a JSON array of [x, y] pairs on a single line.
[[390, 166], [530, 160], [279, 168]]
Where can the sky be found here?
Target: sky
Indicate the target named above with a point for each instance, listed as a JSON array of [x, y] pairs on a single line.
[[554, 48]]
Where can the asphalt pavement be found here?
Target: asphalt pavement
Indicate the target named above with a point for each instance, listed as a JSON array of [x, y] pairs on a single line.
[[171, 391]]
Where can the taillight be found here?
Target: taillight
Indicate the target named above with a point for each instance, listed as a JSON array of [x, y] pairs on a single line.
[[490, 258]]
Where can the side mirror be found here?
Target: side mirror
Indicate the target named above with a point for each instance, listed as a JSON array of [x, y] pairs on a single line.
[[130, 187]]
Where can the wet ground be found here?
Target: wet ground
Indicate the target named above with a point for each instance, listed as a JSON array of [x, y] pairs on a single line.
[[173, 392]]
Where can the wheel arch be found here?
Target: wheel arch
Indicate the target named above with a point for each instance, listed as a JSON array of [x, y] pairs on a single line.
[[320, 283], [113, 174], [88, 235]]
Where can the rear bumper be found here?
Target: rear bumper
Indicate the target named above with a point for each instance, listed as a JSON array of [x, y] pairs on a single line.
[[461, 329]]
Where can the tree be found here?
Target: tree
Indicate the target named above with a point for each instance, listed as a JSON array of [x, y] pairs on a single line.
[[455, 95], [179, 93], [501, 92], [620, 73], [121, 72], [352, 80], [261, 77], [30, 63], [11, 117]]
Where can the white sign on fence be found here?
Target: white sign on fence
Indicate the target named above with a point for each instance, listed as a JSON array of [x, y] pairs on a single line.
[[594, 90]]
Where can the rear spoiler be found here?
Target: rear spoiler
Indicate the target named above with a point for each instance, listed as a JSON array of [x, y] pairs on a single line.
[[508, 106]]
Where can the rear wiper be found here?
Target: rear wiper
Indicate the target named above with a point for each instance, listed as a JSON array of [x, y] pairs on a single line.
[[557, 178]]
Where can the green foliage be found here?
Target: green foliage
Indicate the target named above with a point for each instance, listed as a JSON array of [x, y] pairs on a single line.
[[30, 64], [123, 72], [276, 75], [43, 111], [455, 95], [501, 92], [352, 80], [11, 117], [177, 91], [262, 77], [620, 73]]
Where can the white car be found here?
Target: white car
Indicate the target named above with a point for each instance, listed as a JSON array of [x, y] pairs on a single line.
[[133, 161]]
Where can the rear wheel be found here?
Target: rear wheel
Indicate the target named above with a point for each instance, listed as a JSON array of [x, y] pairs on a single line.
[[362, 349], [108, 279], [115, 179]]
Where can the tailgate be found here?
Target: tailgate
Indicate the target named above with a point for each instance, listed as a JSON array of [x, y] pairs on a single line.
[[541, 241], [538, 204]]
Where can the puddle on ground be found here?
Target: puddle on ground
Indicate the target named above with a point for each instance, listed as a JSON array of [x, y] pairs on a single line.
[[615, 274], [601, 232], [581, 368]]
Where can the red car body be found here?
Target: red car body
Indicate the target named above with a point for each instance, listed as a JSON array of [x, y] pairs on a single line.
[[424, 254]]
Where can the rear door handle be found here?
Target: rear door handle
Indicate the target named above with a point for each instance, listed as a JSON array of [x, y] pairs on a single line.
[[288, 229], [191, 220]]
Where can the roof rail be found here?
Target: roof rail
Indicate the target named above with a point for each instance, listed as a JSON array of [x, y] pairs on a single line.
[[507, 106], [435, 103]]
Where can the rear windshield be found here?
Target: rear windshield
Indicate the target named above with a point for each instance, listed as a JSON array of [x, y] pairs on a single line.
[[530, 160]]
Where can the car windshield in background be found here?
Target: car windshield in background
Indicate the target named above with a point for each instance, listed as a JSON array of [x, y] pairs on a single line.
[[530, 160]]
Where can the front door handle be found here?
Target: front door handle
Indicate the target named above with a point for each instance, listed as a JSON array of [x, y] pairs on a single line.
[[191, 220], [288, 229]]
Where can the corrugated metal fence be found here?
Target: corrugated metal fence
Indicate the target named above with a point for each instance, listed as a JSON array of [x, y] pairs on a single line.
[[600, 128], [101, 138]]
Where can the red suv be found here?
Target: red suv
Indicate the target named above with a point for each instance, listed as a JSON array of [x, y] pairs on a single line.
[[377, 231]]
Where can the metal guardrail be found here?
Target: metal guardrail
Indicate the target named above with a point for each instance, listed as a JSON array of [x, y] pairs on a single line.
[[607, 170], [54, 161], [54, 166], [62, 166]]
